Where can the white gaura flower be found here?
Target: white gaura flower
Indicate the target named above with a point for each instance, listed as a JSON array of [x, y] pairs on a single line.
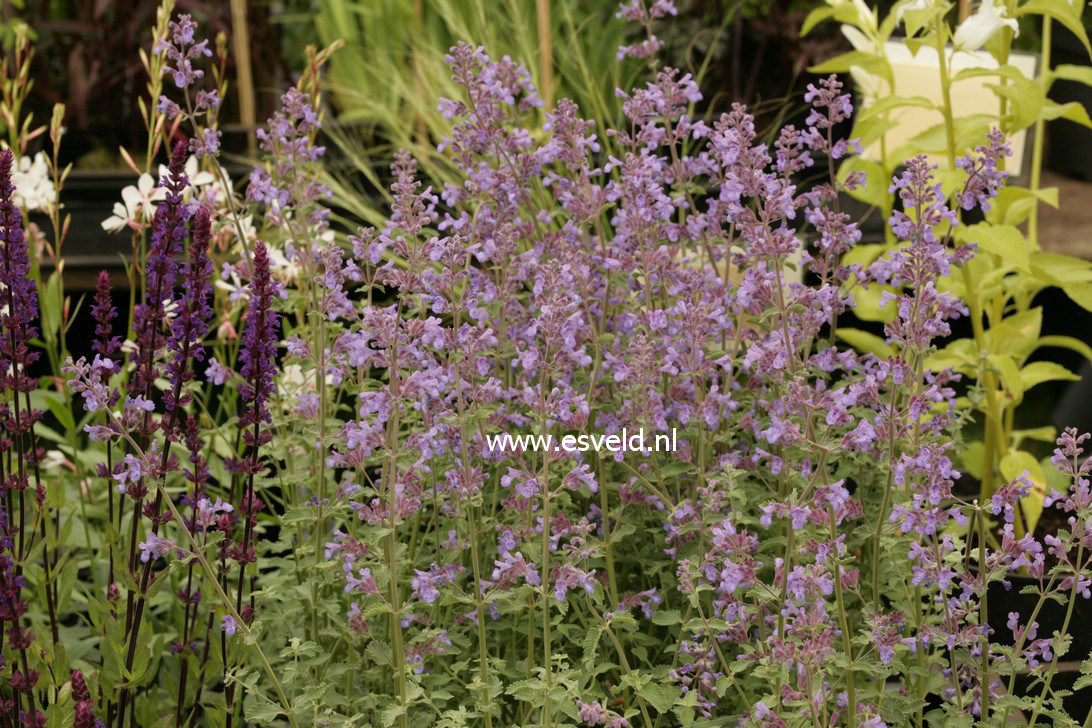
[[54, 461], [196, 178], [138, 202], [976, 31], [137, 205], [33, 185]]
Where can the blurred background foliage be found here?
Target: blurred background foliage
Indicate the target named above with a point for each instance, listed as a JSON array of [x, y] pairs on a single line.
[[385, 80]]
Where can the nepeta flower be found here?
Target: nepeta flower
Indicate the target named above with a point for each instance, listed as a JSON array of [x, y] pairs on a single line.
[[984, 175], [181, 50], [155, 547]]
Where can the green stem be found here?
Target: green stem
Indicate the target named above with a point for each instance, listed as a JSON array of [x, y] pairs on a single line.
[[1037, 141]]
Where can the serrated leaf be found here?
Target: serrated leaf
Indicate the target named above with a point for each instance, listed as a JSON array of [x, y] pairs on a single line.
[[666, 617], [661, 697]]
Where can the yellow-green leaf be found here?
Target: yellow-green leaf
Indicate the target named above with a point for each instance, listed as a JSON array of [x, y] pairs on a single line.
[[1080, 294], [1063, 12], [1066, 342], [866, 342], [1072, 111], [1067, 72], [1004, 241], [1044, 371], [1010, 375]]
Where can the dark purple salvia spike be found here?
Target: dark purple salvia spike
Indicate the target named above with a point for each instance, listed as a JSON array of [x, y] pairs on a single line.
[[21, 297], [85, 706], [258, 356], [104, 312], [161, 272], [187, 331], [191, 324], [17, 329]]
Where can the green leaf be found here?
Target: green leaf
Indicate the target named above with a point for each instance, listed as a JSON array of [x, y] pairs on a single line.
[[1044, 371], [866, 342], [816, 16], [662, 697], [1010, 375], [1046, 433], [868, 306], [263, 711], [1010, 72], [875, 65], [1014, 204], [590, 644], [1060, 270], [1017, 334], [1059, 10], [1004, 241], [60, 411], [1072, 111], [972, 457], [1080, 294], [887, 103], [1068, 72], [1066, 342], [666, 617], [1026, 100]]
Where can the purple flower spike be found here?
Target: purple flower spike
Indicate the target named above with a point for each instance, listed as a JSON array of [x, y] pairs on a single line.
[[161, 271], [104, 312], [258, 356], [20, 298], [189, 327]]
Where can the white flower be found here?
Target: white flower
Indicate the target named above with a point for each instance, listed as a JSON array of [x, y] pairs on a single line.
[[137, 205], [283, 268], [54, 460], [33, 185], [975, 31], [197, 179], [225, 225]]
